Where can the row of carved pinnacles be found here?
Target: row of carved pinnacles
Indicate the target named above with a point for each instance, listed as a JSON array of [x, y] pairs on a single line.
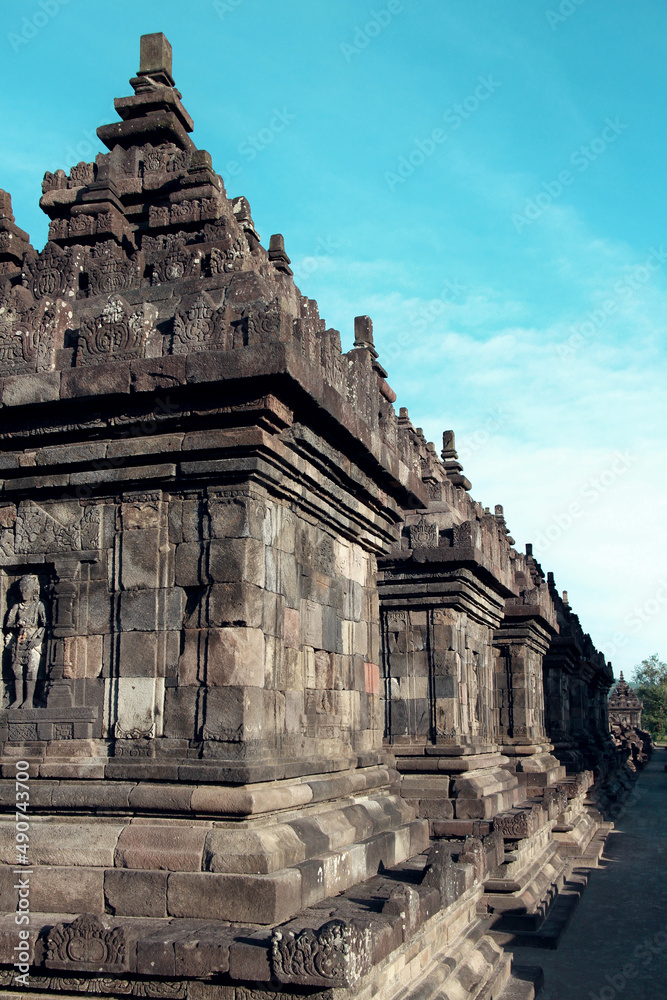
[[95, 224], [29, 338], [108, 268], [30, 331], [335, 954], [145, 160]]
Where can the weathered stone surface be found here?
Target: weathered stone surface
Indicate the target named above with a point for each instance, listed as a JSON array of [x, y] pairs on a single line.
[[255, 899], [171, 848]]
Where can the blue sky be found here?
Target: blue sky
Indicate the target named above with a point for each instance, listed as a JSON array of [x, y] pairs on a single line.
[[484, 179]]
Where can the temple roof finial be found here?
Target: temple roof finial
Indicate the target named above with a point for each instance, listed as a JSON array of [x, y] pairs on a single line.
[[154, 112], [155, 59], [450, 460]]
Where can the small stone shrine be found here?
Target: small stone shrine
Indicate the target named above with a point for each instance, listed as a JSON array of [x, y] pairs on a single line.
[[625, 720], [298, 718], [625, 708]]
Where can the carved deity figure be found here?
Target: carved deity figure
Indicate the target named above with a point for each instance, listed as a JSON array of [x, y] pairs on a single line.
[[26, 624]]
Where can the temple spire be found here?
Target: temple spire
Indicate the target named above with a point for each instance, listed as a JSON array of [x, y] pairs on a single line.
[[154, 113]]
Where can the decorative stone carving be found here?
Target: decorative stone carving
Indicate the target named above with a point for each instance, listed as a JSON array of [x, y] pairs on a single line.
[[516, 825], [102, 985], [54, 182], [86, 945], [223, 259], [110, 270], [119, 333], [167, 158], [134, 734], [56, 527], [20, 732], [423, 535], [26, 624], [53, 272], [171, 259], [29, 335], [199, 327], [81, 175], [442, 873], [337, 954]]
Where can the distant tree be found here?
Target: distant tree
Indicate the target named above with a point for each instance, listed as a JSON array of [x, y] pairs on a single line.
[[650, 683]]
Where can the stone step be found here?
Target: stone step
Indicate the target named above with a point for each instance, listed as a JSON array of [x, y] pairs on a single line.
[[556, 921], [524, 983], [480, 973]]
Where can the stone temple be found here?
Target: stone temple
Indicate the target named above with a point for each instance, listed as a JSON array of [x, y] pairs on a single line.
[[295, 716]]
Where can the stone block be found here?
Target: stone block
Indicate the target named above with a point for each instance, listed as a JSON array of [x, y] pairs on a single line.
[[160, 797], [292, 628], [193, 656], [202, 954], [311, 617], [190, 564], [235, 656], [180, 712], [161, 848], [23, 390], [237, 559], [97, 380], [137, 698], [137, 654], [253, 852], [8, 890], [235, 604], [294, 708], [257, 899], [140, 559], [150, 610], [233, 714], [67, 890], [249, 959], [97, 608], [236, 517], [273, 617], [80, 843], [371, 678]]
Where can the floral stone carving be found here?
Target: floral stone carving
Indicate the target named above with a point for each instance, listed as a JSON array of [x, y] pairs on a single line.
[[337, 954], [86, 945]]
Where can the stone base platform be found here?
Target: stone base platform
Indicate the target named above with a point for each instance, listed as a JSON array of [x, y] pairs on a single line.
[[416, 923], [532, 896], [258, 854], [473, 787]]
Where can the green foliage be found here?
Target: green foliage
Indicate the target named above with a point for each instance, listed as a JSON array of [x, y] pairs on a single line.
[[650, 683]]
